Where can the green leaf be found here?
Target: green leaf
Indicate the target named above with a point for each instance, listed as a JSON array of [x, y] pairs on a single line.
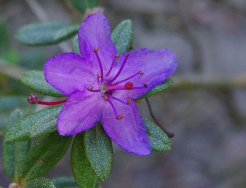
[[45, 33], [39, 183], [82, 5], [34, 125], [122, 36], [45, 153], [99, 150], [158, 139], [65, 182], [35, 80], [14, 153], [158, 88], [82, 170], [75, 45]]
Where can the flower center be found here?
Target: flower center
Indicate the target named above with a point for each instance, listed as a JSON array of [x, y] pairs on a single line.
[[108, 87]]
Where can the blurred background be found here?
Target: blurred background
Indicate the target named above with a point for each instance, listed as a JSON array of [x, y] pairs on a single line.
[[205, 108]]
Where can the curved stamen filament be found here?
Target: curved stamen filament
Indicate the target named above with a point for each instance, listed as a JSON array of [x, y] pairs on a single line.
[[139, 72], [119, 100], [143, 87], [100, 64], [121, 68], [115, 112], [114, 60], [90, 88]]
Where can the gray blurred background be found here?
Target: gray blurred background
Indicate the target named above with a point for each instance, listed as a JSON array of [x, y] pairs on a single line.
[[206, 107]]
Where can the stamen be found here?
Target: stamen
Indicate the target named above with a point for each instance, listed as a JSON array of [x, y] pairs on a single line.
[[33, 99], [115, 113], [105, 97], [98, 76], [118, 100], [90, 88], [129, 101], [99, 61], [121, 68], [139, 72], [120, 117], [143, 87], [115, 57]]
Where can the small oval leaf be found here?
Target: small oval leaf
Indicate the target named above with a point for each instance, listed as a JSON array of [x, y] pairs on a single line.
[[39, 183], [158, 88], [34, 125], [82, 5], [45, 153], [158, 139], [75, 45], [35, 80], [122, 36], [99, 150], [82, 170], [14, 153], [65, 182], [45, 33]]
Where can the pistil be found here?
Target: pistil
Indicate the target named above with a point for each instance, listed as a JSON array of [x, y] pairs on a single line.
[[33, 99]]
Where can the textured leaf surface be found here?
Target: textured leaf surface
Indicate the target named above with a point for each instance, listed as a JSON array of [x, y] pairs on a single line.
[[82, 5], [45, 153], [35, 80], [45, 33], [82, 170], [75, 45], [122, 36], [158, 88], [99, 150], [39, 183], [65, 182], [34, 125], [158, 139], [14, 153]]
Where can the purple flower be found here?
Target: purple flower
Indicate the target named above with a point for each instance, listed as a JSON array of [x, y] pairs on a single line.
[[98, 88]]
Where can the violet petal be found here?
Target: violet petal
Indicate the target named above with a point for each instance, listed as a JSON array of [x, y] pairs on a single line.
[[129, 132], [95, 33], [80, 112], [155, 65], [68, 72]]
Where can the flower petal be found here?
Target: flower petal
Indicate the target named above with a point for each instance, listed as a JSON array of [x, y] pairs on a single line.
[[80, 112], [68, 72], [95, 33], [155, 65], [129, 132]]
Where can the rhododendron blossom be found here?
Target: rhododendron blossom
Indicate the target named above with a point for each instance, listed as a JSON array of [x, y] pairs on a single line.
[[101, 85]]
